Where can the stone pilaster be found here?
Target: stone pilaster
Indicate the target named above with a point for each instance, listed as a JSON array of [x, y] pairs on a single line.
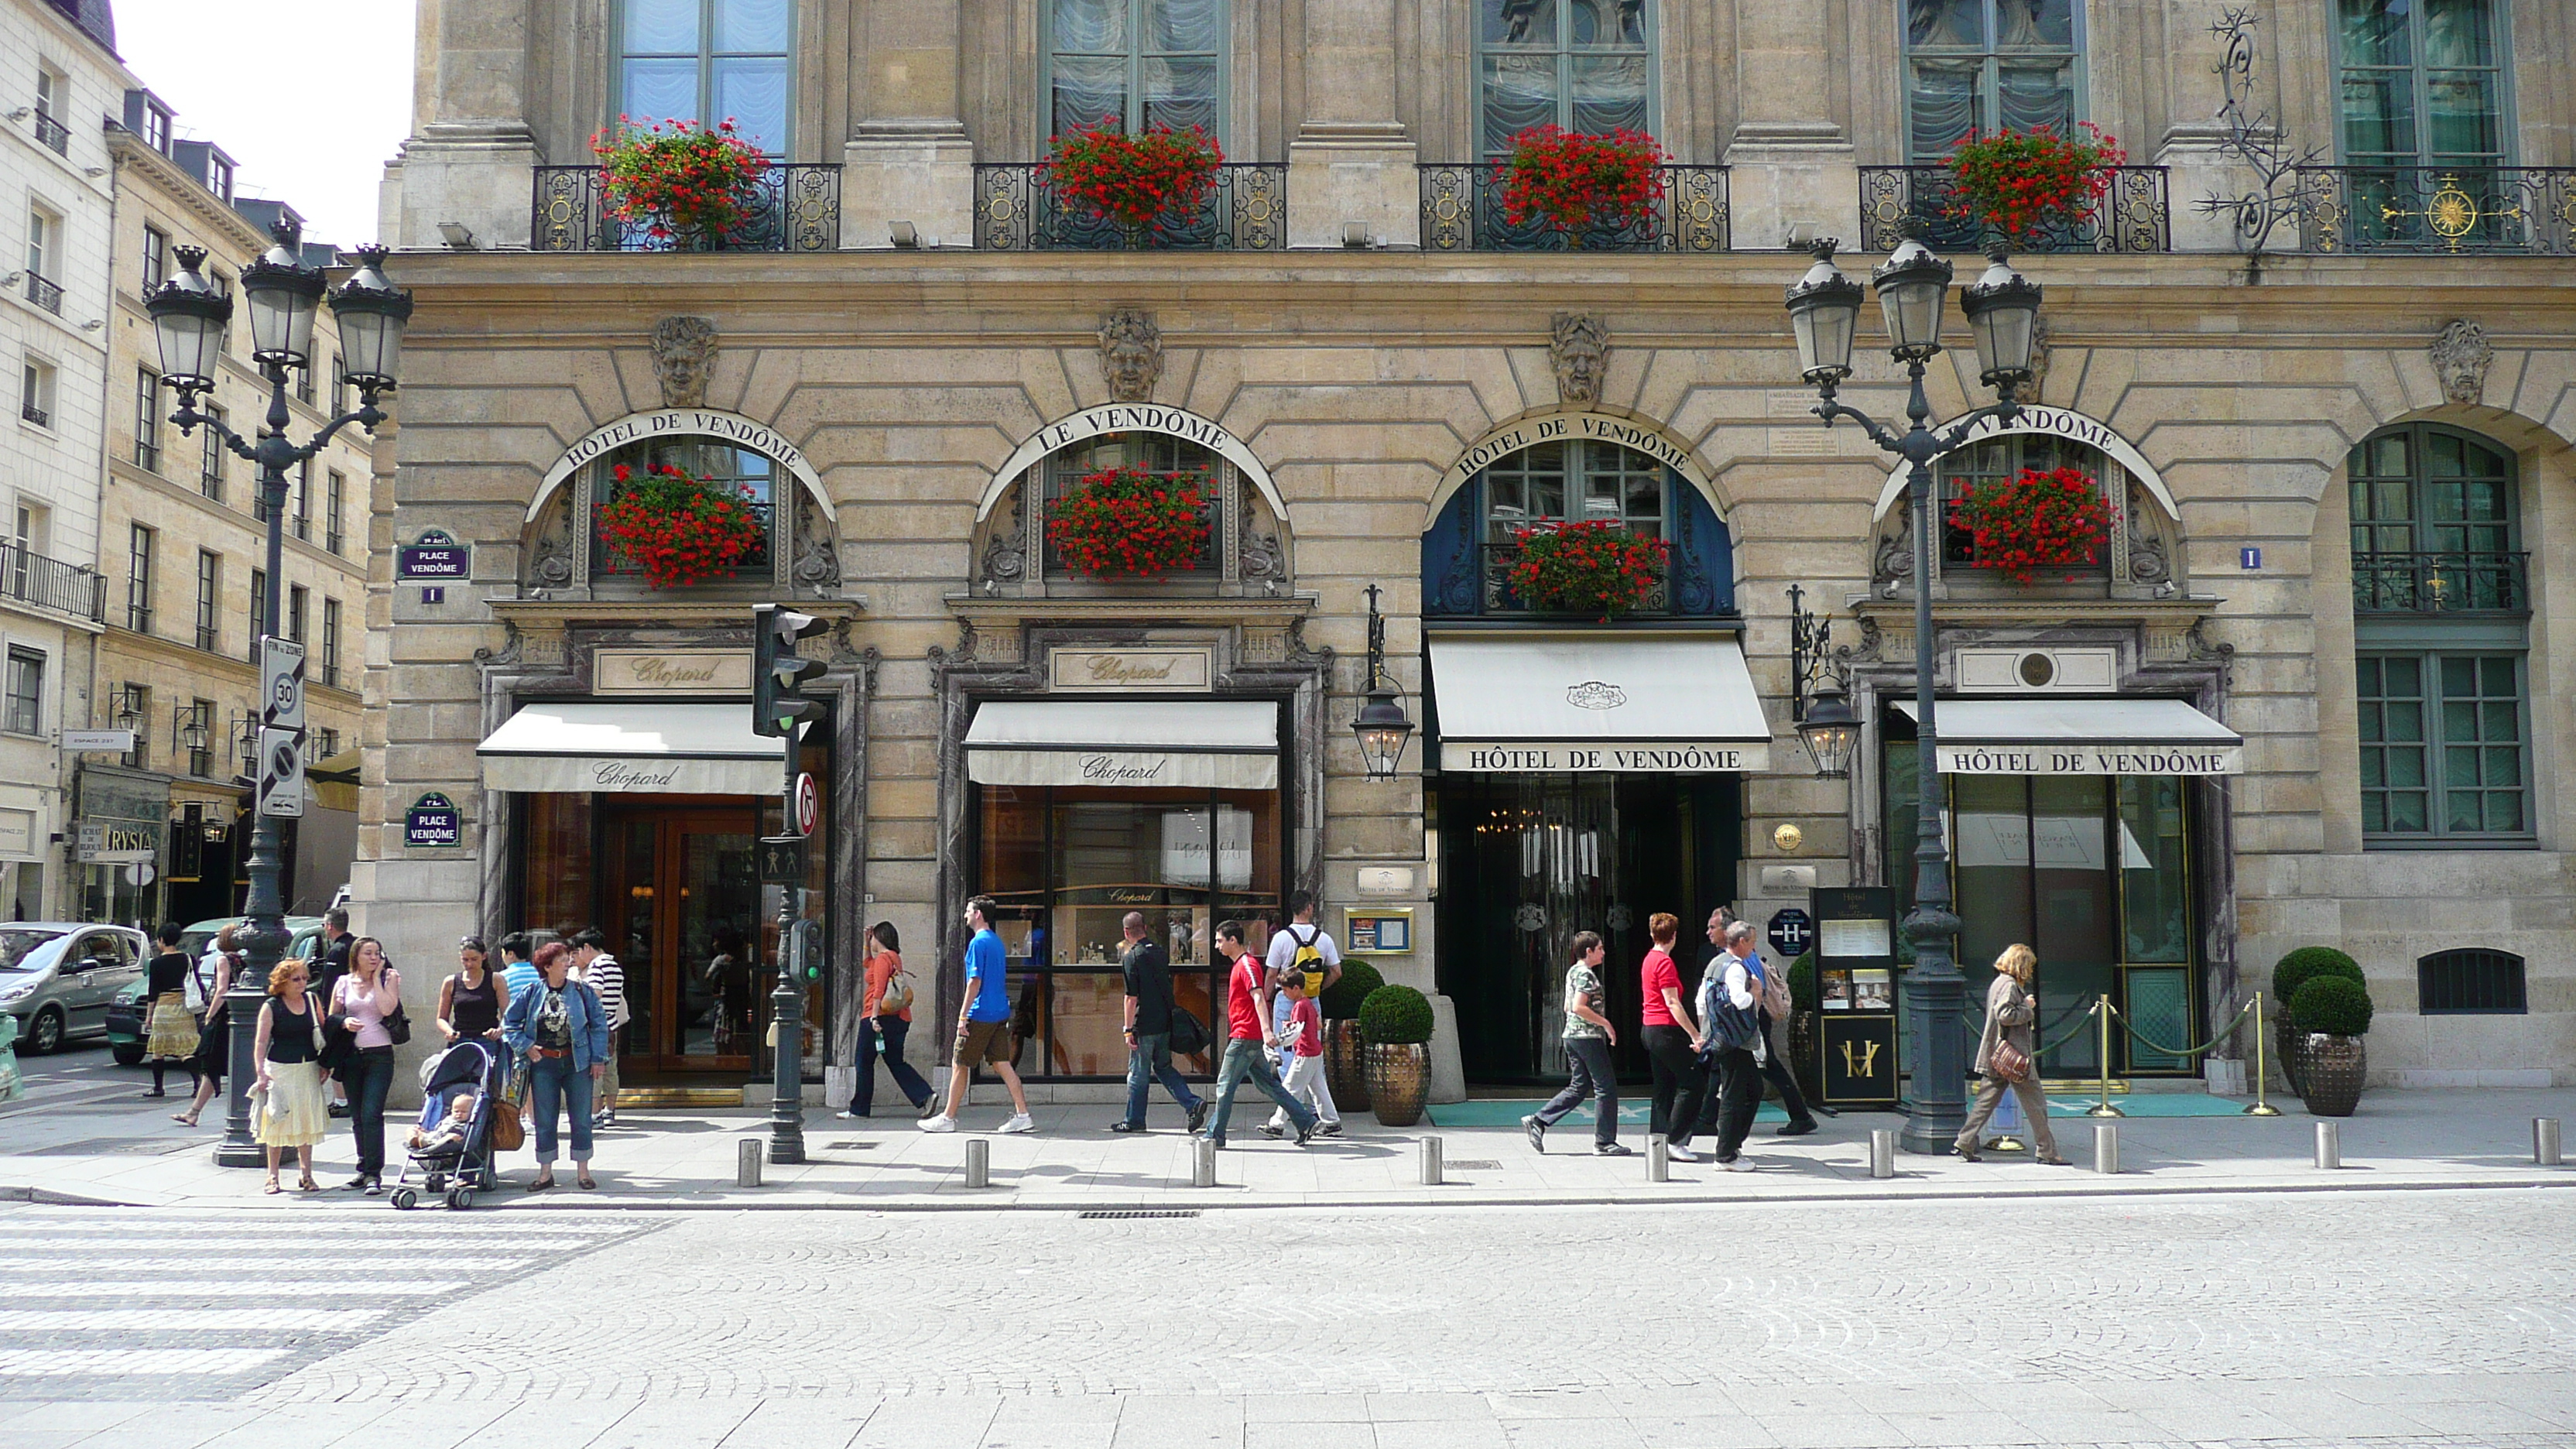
[[908, 158], [1791, 162], [1352, 160], [472, 153]]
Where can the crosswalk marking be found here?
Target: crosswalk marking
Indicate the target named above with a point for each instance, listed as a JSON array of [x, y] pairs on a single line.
[[18, 1242], [159, 1362], [22, 1291], [301, 1263], [190, 1320]]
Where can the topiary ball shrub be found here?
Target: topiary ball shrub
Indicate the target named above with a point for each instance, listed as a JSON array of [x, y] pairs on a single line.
[[2304, 965], [1802, 983], [2333, 1005], [1341, 1000], [1394, 1015]]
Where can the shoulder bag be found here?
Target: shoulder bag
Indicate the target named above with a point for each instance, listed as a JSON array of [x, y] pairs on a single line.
[[2006, 1062], [1189, 1034], [897, 995], [334, 1041], [397, 1021]]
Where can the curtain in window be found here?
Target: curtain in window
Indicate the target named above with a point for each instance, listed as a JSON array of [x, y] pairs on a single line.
[[2421, 83], [708, 61], [1135, 64], [1586, 65], [1981, 66]]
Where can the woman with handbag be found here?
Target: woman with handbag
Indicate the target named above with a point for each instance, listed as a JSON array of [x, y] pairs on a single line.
[[213, 978], [367, 1003], [560, 1029], [885, 1019], [2005, 1052], [289, 1107], [170, 1033]]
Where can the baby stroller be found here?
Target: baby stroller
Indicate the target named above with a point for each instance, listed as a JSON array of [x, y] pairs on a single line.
[[473, 1070]]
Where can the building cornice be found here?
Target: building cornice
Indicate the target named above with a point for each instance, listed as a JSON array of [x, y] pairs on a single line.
[[188, 193]]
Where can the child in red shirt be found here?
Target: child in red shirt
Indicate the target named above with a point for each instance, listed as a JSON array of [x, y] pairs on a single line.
[[1303, 1046]]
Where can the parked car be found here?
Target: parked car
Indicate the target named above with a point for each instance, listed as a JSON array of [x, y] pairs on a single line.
[[60, 977], [129, 1012]]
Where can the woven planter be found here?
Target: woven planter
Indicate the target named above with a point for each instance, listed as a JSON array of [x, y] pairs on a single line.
[[2289, 1049], [1399, 1081], [2334, 1071], [1345, 1070]]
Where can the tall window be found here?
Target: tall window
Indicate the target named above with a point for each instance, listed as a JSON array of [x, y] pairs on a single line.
[[147, 418], [135, 702], [200, 739], [1136, 64], [303, 516], [210, 578], [705, 60], [335, 515], [2422, 83], [23, 710], [2441, 618], [156, 257], [138, 580], [258, 608], [1586, 65], [296, 600], [36, 393], [331, 642], [210, 466], [1981, 66], [51, 88]]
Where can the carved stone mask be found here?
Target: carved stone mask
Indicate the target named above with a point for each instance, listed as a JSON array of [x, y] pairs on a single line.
[[684, 352], [2460, 356], [1131, 354], [1580, 352]]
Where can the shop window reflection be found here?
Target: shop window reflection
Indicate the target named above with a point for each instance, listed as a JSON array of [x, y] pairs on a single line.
[[557, 870]]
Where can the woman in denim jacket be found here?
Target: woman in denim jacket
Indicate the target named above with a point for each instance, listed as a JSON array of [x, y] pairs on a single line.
[[557, 1026]]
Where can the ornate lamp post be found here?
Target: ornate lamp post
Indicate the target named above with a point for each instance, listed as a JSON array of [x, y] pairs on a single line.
[[1381, 726], [1824, 312], [189, 318]]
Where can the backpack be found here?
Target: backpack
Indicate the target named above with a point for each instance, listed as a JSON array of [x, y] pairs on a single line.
[[1309, 958], [1775, 992]]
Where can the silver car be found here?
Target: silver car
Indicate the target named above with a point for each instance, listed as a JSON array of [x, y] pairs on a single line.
[[59, 977]]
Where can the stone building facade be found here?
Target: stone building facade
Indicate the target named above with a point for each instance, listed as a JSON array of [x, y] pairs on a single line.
[[2301, 695]]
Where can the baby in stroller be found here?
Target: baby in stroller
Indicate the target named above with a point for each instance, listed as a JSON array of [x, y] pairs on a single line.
[[451, 1147], [447, 1137]]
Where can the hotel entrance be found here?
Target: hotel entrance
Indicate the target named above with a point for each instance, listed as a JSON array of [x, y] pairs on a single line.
[[686, 882]]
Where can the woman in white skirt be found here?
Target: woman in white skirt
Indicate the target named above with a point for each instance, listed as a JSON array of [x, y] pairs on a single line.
[[295, 1109]]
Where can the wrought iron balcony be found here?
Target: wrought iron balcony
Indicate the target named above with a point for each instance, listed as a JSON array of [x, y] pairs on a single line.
[[29, 578], [31, 412], [2132, 216], [1462, 211], [2441, 583], [2438, 210], [1476, 582], [53, 134], [793, 209], [1018, 209], [45, 292]]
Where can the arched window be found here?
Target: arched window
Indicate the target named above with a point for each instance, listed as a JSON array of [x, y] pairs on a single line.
[[1975, 67], [1586, 65], [1135, 64], [703, 457], [706, 60], [1158, 453], [2441, 617], [1466, 555], [2000, 458]]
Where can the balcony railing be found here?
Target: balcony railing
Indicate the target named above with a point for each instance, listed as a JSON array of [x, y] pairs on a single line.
[[2132, 216], [2439, 210], [793, 209], [34, 414], [49, 583], [1018, 209], [53, 134], [1462, 211], [2441, 583], [45, 292]]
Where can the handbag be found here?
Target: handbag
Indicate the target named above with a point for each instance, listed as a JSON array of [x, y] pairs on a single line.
[[897, 995], [1189, 1034], [2007, 1062], [195, 989], [397, 1021], [509, 1134]]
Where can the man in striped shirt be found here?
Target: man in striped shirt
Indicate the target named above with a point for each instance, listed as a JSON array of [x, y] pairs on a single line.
[[592, 963]]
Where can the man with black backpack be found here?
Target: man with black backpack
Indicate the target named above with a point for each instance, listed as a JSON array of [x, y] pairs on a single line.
[[1150, 1012]]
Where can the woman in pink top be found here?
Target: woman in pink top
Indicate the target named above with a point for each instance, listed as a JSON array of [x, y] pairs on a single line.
[[361, 1001], [1671, 1038]]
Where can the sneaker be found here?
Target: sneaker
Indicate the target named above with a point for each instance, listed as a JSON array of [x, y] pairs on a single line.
[[1679, 1153], [1611, 1149], [1536, 1132], [937, 1124], [930, 1105], [1794, 1129], [1329, 1129], [1735, 1164], [1199, 1114], [353, 1184], [850, 1116], [1126, 1126], [1273, 1131], [375, 1187], [339, 1109], [1021, 1122], [1306, 1134]]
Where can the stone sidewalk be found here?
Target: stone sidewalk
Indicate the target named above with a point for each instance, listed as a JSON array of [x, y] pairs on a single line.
[[124, 1151]]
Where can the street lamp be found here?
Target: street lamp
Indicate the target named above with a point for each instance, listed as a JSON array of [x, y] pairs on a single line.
[[189, 319], [1382, 727], [2003, 311], [192, 727]]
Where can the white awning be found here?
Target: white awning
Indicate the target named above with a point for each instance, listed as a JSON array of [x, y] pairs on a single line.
[[1197, 744], [2038, 735], [637, 748], [1668, 703]]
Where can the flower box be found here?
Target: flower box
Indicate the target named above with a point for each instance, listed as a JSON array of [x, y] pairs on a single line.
[[2025, 185], [2056, 519], [1143, 183], [1586, 568], [1127, 521], [680, 182], [677, 528], [1573, 182]]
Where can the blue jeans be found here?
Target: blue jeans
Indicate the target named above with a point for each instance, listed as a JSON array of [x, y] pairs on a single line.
[[1247, 1058], [369, 1075], [864, 1095], [1151, 1059], [555, 1085]]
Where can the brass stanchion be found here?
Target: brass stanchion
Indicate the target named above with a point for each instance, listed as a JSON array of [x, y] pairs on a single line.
[[2261, 1108], [2102, 1006]]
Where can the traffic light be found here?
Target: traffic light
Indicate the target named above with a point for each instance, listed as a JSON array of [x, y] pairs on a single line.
[[778, 674]]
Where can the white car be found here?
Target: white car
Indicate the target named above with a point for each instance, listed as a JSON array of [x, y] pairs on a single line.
[[59, 977]]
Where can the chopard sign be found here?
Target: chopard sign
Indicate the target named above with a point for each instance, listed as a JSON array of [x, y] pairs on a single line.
[[619, 775], [1593, 694], [1178, 670], [1114, 770], [671, 671]]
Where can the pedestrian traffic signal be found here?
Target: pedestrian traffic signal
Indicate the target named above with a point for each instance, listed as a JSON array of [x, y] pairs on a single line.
[[778, 674]]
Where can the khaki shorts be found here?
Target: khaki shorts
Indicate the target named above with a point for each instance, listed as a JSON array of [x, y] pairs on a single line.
[[987, 1041]]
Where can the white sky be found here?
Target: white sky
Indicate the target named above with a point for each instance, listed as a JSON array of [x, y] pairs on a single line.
[[310, 97]]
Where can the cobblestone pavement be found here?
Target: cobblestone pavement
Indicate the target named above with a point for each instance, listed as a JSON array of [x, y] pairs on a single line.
[[2382, 1319]]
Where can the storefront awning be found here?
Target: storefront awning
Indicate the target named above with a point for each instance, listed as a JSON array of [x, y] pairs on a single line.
[[1671, 703], [2043, 736], [684, 749], [1198, 744]]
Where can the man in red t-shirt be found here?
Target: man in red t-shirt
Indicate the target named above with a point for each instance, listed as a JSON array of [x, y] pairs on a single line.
[[1247, 1035]]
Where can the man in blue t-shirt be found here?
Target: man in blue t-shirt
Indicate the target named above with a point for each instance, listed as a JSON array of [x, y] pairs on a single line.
[[984, 1027]]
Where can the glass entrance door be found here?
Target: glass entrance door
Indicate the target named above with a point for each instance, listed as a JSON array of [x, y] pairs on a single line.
[[686, 889]]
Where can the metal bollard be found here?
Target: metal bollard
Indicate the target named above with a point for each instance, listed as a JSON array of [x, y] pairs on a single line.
[[2106, 1147], [2544, 1141], [2329, 1146], [1882, 1152], [1659, 1159], [746, 1161], [1202, 1163], [979, 1162], [1430, 1162]]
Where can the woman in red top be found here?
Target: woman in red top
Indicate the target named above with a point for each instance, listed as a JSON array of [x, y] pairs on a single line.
[[1671, 1038], [881, 1032]]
